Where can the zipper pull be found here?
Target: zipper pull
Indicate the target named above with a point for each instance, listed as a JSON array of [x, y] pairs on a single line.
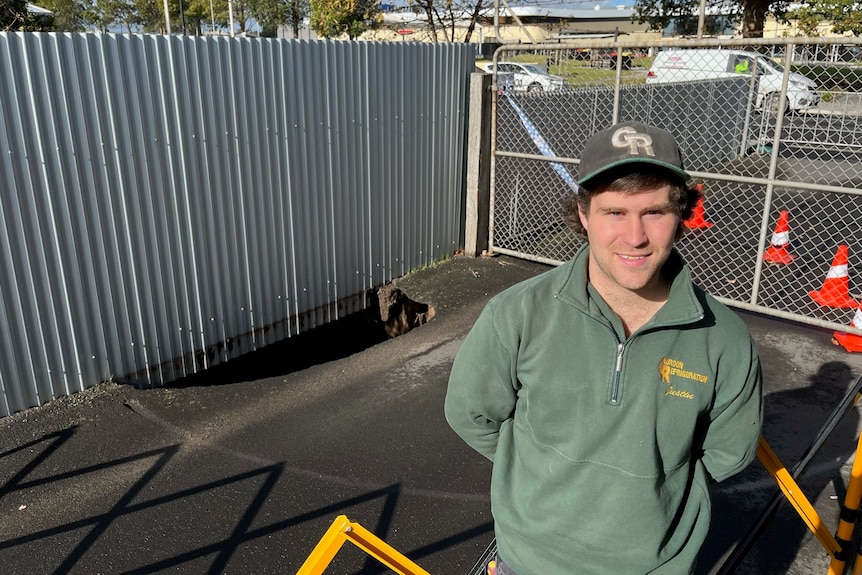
[[615, 390]]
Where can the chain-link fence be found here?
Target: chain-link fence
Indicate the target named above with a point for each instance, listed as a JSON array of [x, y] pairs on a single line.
[[771, 133]]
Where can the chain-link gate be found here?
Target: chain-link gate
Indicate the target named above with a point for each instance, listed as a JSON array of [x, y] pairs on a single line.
[[770, 129]]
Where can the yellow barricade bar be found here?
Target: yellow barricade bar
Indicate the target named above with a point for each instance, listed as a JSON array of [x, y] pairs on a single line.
[[794, 494], [341, 530], [851, 501]]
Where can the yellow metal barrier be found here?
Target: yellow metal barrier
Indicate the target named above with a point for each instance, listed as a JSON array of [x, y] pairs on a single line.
[[837, 545], [796, 498], [341, 530], [847, 524]]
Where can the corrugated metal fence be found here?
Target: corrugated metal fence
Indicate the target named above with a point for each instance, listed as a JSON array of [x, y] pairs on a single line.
[[168, 203]]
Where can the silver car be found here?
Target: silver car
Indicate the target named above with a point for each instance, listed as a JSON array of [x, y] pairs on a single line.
[[527, 77]]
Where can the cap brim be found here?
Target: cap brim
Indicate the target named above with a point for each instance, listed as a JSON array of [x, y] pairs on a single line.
[[640, 160]]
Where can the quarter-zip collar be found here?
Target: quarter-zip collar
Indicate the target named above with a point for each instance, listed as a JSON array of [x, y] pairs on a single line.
[[682, 307]]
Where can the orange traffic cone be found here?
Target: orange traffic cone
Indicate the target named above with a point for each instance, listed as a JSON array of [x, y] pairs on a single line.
[[836, 286], [698, 219], [850, 341], [777, 251]]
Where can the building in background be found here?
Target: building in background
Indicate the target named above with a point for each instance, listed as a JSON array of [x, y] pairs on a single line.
[[528, 24], [556, 23]]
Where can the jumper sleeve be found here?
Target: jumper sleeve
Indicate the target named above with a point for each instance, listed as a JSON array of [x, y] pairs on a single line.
[[735, 421], [482, 385]]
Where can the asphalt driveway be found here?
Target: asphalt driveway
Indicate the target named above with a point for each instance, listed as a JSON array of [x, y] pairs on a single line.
[[242, 469]]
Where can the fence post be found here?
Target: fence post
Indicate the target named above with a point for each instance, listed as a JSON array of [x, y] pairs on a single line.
[[478, 165]]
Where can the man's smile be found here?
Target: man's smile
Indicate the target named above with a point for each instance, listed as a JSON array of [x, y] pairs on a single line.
[[633, 258]]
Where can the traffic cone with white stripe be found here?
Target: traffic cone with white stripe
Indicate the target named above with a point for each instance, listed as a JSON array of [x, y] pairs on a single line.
[[850, 341], [698, 217], [778, 252], [836, 287]]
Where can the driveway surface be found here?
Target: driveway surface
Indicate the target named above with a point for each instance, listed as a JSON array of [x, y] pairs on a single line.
[[243, 468]]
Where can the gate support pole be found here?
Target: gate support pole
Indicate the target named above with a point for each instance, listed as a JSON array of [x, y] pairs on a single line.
[[478, 199]]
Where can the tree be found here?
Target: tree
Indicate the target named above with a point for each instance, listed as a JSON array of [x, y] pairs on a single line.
[[69, 15], [108, 14], [14, 16], [151, 16], [843, 14], [186, 16], [659, 13], [333, 18], [474, 18], [271, 14], [442, 18], [297, 12], [195, 13], [241, 14], [431, 17]]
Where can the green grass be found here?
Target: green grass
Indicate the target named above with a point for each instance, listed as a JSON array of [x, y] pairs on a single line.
[[836, 78], [527, 58], [581, 73]]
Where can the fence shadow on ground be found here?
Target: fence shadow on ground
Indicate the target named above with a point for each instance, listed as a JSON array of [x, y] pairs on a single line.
[[792, 419]]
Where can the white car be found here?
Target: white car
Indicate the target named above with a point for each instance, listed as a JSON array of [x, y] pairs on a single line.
[[526, 77], [714, 63]]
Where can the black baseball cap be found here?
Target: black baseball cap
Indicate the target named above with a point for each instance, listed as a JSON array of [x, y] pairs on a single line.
[[630, 143]]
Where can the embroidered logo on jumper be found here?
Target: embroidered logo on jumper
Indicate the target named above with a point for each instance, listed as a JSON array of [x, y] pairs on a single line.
[[637, 143], [678, 393], [668, 367]]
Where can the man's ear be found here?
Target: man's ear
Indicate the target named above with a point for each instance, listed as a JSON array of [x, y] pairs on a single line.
[[680, 230], [582, 216]]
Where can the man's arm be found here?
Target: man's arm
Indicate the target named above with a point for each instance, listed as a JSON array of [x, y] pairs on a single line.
[[482, 386], [735, 421]]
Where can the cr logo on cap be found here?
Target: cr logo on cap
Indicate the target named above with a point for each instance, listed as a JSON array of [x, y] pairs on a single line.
[[628, 137]]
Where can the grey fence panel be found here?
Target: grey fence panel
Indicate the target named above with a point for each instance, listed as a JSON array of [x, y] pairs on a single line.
[[698, 117], [169, 203]]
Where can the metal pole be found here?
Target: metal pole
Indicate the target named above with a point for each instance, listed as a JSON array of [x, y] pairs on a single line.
[[167, 19], [701, 18], [496, 21], [230, 13]]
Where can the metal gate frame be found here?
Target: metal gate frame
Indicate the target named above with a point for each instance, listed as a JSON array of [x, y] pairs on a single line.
[[531, 143]]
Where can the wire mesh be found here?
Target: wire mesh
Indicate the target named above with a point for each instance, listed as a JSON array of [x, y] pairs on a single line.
[[766, 130]]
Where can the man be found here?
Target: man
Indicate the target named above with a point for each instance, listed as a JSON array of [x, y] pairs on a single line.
[[610, 391]]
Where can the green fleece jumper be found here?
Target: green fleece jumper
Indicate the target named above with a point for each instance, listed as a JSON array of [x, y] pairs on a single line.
[[604, 446]]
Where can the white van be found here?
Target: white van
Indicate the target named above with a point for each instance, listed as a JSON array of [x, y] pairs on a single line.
[[527, 77], [708, 64]]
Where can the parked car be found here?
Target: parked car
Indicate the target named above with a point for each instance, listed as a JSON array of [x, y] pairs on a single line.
[[527, 77], [708, 64], [604, 58]]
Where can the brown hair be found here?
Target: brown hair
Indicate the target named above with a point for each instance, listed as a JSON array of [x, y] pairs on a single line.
[[635, 179]]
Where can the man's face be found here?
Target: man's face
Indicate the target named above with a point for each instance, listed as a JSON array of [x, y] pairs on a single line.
[[631, 236]]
